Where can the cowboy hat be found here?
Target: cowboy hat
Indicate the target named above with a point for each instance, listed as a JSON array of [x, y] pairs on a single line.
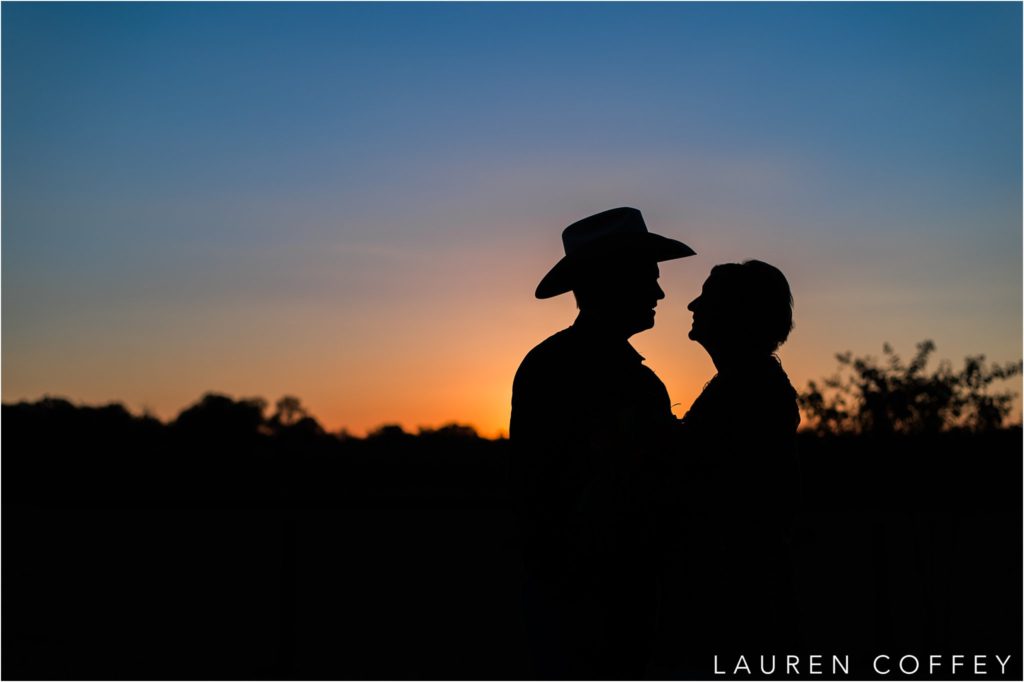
[[608, 234]]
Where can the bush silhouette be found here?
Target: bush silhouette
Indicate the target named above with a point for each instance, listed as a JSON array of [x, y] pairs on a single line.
[[220, 415], [879, 397]]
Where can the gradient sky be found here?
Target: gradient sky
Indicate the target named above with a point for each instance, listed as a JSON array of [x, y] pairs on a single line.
[[353, 203]]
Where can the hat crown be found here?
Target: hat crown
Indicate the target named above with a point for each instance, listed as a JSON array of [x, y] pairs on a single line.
[[602, 238], [600, 226]]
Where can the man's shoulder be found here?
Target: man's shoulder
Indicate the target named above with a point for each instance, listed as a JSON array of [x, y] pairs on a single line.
[[552, 357], [555, 347]]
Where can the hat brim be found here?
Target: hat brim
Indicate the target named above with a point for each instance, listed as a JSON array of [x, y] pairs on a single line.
[[560, 279]]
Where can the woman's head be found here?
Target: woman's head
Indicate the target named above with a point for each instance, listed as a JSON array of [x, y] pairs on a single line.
[[744, 308]]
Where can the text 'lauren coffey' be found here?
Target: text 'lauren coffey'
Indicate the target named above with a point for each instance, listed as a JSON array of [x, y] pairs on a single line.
[[882, 664]]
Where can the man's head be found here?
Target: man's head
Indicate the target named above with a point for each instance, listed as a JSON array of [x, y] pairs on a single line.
[[611, 265], [744, 308], [621, 292]]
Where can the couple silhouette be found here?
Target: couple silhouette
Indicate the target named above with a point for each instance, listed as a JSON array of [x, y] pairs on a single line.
[[652, 544]]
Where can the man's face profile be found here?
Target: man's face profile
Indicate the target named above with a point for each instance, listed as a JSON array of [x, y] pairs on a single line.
[[623, 293]]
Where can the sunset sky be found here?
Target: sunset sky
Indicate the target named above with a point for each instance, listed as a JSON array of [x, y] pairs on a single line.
[[353, 203]]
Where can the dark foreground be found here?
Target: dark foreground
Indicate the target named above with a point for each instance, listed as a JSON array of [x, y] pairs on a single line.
[[230, 549]]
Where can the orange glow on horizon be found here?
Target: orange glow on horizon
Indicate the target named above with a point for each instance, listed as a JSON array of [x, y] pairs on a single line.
[[422, 337]]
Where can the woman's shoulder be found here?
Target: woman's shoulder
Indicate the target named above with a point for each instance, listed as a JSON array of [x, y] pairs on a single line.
[[777, 380], [781, 399], [764, 376], [758, 396]]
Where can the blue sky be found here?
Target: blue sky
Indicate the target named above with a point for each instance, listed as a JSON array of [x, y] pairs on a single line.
[[353, 202]]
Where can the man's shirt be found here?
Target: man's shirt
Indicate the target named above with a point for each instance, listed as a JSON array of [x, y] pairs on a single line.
[[587, 417]]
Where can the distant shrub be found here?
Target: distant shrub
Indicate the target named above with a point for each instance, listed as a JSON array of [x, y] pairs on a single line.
[[222, 415], [887, 396], [452, 432]]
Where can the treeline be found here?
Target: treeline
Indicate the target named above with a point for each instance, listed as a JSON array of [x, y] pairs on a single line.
[[888, 396], [222, 452], [893, 428], [227, 452], [240, 541], [229, 544]]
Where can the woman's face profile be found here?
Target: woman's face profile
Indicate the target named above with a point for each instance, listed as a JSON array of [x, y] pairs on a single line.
[[710, 311]]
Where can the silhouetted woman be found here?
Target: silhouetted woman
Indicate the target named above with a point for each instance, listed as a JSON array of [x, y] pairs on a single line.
[[730, 589]]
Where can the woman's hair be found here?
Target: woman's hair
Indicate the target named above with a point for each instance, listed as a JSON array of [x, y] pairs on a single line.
[[761, 297]]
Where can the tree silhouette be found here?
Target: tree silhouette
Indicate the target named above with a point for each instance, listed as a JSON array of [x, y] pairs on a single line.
[[289, 411], [888, 396], [221, 415]]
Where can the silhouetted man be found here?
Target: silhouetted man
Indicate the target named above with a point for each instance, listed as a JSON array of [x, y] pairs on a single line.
[[586, 415]]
